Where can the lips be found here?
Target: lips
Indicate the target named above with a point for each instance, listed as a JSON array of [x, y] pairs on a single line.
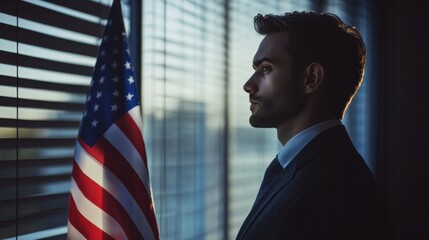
[[253, 99], [253, 102]]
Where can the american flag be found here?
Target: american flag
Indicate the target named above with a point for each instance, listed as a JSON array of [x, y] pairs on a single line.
[[110, 196]]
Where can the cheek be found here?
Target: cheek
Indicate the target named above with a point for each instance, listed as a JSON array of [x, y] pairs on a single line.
[[288, 95], [272, 85]]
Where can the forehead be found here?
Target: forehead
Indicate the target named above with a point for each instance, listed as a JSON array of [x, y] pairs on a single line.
[[273, 46]]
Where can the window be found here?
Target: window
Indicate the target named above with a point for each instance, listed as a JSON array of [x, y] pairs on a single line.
[[184, 114]]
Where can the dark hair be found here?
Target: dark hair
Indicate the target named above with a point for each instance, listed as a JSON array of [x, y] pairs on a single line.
[[323, 38]]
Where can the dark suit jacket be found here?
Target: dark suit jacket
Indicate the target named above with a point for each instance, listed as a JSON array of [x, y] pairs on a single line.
[[326, 192]]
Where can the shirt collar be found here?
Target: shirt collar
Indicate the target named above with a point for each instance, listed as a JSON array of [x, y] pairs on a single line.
[[300, 140]]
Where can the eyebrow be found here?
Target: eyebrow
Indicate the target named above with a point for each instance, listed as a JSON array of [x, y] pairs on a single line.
[[257, 62]]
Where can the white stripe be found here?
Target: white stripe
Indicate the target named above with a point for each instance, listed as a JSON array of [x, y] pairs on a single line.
[[121, 142], [136, 116], [106, 179], [73, 233], [96, 215]]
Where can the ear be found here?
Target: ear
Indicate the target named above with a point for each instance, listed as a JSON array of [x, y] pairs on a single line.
[[314, 76]]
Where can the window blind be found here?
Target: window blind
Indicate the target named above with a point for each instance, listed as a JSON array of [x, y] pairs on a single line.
[[183, 104]]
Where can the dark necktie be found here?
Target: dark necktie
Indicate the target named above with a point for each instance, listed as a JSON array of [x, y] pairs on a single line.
[[272, 171]]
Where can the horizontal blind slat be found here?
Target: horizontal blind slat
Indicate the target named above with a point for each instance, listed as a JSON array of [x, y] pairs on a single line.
[[8, 122], [9, 7], [34, 205], [39, 104], [40, 63], [52, 18], [89, 7], [37, 204], [49, 17], [8, 143], [37, 84], [40, 180], [8, 101], [53, 161], [8, 32], [8, 58], [50, 219], [30, 37]]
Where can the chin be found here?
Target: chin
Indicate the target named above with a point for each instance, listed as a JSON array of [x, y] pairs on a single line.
[[258, 122]]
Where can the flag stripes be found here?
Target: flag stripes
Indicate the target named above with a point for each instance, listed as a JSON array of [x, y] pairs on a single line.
[[87, 229], [114, 176], [96, 215], [103, 199], [128, 124], [72, 231], [130, 154]]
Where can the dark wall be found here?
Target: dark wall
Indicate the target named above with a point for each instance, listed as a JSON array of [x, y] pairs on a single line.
[[402, 40]]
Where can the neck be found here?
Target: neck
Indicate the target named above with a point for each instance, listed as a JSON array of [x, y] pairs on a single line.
[[315, 111], [290, 128], [287, 130]]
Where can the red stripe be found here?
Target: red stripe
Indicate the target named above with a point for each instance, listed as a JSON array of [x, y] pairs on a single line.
[[130, 128], [85, 227], [106, 154], [105, 201]]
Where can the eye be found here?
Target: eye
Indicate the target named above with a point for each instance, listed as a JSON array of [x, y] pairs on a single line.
[[265, 68]]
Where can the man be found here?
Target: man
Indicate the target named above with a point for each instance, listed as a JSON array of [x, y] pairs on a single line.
[[308, 67]]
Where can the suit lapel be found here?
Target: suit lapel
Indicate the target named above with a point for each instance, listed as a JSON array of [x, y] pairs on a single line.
[[284, 179]]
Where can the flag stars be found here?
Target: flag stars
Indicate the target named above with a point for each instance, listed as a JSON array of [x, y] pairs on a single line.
[[113, 91], [129, 96], [130, 79], [114, 107], [94, 123]]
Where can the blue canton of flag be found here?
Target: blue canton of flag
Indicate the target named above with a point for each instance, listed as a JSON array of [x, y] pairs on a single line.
[[109, 96]]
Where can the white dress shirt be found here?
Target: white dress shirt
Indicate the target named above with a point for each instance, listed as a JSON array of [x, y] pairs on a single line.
[[300, 140]]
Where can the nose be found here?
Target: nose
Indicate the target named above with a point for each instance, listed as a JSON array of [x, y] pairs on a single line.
[[250, 86]]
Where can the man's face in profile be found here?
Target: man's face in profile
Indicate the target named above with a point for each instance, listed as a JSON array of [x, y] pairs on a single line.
[[276, 95]]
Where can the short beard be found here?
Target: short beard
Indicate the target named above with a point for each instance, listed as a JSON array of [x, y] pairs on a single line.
[[265, 119], [271, 115]]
